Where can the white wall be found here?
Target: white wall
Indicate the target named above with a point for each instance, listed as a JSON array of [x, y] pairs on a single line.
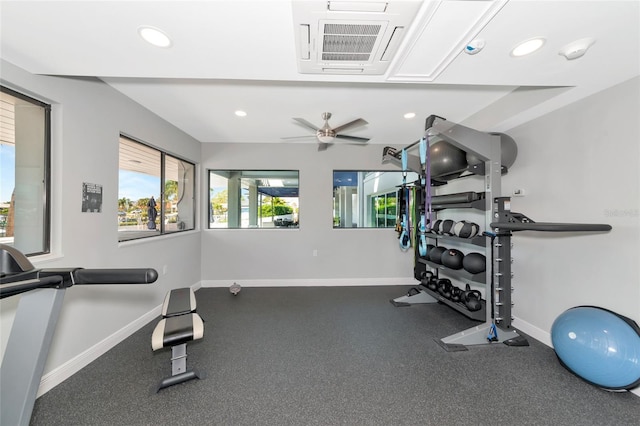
[[578, 164], [273, 257], [87, 119]]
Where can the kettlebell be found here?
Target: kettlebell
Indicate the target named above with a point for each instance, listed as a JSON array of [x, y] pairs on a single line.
[[471, 299], [444, 287], [456, 294], [433, 284], [425, 277]]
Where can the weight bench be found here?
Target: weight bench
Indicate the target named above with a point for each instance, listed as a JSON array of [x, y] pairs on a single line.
[[180, 324]]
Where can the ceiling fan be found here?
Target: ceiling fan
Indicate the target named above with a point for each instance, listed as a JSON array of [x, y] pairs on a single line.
[[326, 134]]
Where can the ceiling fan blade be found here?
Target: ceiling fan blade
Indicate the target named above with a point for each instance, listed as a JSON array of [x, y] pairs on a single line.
[[353, 138], [355, 123], [305, 123], [323, 146]]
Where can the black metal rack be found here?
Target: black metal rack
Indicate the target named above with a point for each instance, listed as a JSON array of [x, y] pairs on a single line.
[[500, 223], [487, 148]]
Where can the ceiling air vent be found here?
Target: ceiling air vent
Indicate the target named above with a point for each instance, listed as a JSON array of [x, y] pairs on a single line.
[[349, 42], [337, 38]]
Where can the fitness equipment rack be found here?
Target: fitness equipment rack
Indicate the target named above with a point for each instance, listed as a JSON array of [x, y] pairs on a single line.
[[496, 309], [35, 322], [487, 148]]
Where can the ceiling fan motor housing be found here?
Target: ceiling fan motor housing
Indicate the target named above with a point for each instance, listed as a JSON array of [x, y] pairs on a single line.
[[325, 134]]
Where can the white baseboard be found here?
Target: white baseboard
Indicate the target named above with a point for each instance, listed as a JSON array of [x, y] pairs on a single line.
[[71, 367], [313, 282], [533, 331]]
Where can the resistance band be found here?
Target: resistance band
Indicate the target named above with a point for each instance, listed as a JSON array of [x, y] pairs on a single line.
[[425, 217], [405, 236]]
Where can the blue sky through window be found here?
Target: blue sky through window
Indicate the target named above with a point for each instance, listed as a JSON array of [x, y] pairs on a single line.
[[134, 185], [7, 171]]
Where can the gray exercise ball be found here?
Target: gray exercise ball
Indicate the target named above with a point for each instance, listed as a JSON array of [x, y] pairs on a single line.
[[508, 148], [446, 160]]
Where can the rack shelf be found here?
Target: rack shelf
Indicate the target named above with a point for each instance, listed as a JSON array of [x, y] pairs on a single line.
[[478, 315], [477, 204], [478, 240], [480, 278]]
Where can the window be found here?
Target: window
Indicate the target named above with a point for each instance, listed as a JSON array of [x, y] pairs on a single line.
[[366, 199], [155, 192], [253, 199], [25, 144], [383, 210]]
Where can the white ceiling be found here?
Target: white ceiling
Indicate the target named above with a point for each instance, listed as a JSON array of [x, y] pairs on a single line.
[[239, 54]]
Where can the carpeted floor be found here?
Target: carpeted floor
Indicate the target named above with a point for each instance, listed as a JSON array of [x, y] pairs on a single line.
[[330, 356]]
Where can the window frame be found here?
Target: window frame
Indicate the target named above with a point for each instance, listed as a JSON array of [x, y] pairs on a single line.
[[162, 194], [364, 208], [295, 221], [46, 167]]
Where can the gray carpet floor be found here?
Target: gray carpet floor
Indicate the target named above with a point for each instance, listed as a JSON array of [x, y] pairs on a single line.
[[330, 356]]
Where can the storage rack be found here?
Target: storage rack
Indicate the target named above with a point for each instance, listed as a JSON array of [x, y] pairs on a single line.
[[495, 311]]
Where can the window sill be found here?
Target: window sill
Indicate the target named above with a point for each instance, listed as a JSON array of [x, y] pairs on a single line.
[[157, 238]]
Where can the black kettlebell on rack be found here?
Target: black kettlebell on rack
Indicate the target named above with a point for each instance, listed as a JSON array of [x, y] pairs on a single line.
[[456, 294], [425, 277], [433, 283], [471, 299], [444, 287]]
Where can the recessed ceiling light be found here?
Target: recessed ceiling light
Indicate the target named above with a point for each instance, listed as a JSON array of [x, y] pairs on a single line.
[[410, 115], [528, 46], [241, 113], [154, 36]]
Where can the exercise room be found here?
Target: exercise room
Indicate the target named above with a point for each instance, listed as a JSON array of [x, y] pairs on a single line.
[[311, 212]]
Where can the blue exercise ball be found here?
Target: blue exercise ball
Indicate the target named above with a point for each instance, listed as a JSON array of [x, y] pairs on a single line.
[[599, 346]]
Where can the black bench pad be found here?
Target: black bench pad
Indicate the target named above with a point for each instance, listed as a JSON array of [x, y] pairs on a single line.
[[179, 301], [177, 330]]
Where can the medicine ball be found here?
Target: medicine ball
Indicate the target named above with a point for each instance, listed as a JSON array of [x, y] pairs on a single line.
[[508, 152], [436, 226], [446, 160], [435, 255], [464, 229], [474, 263], [452, 258], [429, 248], [446, 228]]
